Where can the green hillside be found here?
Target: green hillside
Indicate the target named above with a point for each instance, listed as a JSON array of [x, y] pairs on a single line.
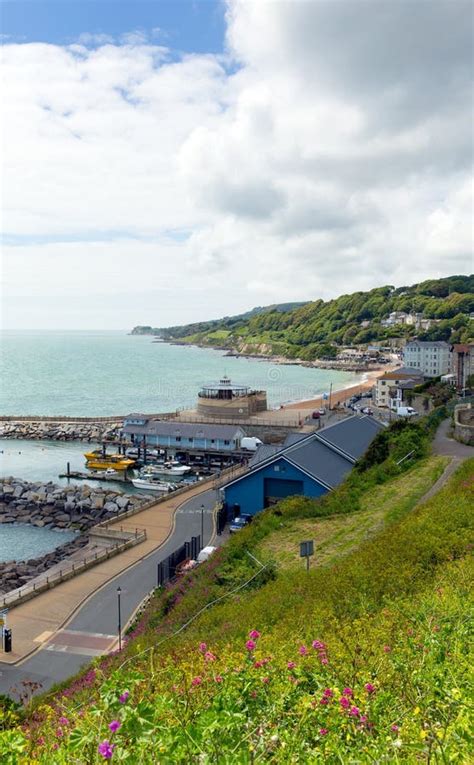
[[314, 330], [365, 658]]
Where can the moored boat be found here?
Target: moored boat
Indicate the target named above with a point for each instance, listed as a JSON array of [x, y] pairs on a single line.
[[173, 468], [98, 461], [151, 484]]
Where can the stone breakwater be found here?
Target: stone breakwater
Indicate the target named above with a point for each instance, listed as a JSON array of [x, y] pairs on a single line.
[[61, 431], [46, 505]]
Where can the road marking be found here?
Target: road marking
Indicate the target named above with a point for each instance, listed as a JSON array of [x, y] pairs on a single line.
[[43, 637]]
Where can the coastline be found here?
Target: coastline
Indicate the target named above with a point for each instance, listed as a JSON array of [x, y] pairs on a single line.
[[339, 395]]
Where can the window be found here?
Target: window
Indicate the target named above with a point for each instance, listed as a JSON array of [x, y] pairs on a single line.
[[178, 438], [213, 440], [226, 442], [191, 440]]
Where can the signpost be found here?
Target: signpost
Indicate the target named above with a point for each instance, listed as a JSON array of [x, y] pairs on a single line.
[[307, 549], [3, 626]]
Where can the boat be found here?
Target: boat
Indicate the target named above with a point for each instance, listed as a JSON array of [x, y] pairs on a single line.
[[151, 484], [97, 460], [174, 468], [108, 474]]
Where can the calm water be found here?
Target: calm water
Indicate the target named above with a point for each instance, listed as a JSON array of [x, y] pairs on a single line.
[[29, 541], [108, 373]]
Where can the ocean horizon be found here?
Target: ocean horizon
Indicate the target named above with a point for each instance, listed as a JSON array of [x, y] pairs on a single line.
[[111, 372]]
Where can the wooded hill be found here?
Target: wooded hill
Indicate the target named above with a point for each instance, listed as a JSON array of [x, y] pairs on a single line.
[[316, 329]]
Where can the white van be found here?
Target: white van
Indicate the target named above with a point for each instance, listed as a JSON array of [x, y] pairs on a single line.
[[406, 411], [250, 444]]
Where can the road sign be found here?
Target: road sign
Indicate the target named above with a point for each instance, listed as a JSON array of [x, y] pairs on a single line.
[[306, 548]]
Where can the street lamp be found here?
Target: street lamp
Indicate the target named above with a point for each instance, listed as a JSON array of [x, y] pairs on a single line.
[[202, 526], [119, 592]]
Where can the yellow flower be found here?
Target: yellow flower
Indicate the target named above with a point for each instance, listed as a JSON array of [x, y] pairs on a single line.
[[416, 711], [423, 734], [456, 693]]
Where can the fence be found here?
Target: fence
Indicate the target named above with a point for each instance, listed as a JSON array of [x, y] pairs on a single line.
[[166, 569], [28, 591]]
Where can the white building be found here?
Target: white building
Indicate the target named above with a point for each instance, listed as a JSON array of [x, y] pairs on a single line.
[[430, 357], [388, 386]]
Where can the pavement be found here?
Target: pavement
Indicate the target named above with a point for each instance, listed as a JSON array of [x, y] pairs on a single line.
[[60, 630], [444, 445]]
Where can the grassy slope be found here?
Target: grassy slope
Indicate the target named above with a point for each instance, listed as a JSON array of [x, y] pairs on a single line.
[[340, 534], [391, 612]]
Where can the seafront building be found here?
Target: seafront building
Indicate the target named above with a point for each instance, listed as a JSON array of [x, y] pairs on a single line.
[[388, 387], [431, 358], [143, 430], [225, 400], [309, 465]]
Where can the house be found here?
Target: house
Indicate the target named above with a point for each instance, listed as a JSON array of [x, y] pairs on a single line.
[[430, 357], [385, 385], [396, 317], [307, 464], [462, 363], [142, 429]]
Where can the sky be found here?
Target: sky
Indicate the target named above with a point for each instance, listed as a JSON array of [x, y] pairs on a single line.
[[167, 162]]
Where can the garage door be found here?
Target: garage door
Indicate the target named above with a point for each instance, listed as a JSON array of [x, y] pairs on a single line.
[[277, 488]]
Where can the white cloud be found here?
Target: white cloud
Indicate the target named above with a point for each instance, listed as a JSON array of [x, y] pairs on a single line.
[[336, 156]]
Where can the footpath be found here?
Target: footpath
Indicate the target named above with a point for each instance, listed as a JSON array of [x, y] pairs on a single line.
[[35, 622]]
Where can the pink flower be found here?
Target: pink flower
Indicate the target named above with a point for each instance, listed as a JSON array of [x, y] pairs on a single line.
[[369, 688], [259, 664], [124, 696], [303, 650], [394, 728], [250, 645], [344, 702], [106, 749], [386, 649], [291, 665], [254, 634], [218, 678], [328, 693], [202, 647], [363, 718], [56, 746], [59, 733], [63, 721], [40, 741], [347, 692], [209, 656], [324, 660], [354, 711], [265, 679], [318, 645], [196, 680], [324, 700], [323, 731], [114, 725]]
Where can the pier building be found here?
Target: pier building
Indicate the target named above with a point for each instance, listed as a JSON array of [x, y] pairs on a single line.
[[225, 399], [141, 429]]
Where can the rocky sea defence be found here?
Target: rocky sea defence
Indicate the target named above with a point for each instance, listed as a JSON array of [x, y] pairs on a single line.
[[55, 430], [46, 505]]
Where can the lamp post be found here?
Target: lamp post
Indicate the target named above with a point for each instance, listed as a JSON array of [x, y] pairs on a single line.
[[119, 592], [202, 526]]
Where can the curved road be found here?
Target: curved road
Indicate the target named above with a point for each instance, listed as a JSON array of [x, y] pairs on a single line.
[[90, 631]]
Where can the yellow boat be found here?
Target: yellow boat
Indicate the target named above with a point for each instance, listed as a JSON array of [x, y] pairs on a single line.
[[98, 461]]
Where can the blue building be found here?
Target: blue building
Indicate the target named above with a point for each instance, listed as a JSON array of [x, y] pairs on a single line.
[[143, 430], [308, 465]]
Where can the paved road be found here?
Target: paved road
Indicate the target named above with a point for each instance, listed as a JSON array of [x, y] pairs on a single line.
[[91, 629], [447, 446]]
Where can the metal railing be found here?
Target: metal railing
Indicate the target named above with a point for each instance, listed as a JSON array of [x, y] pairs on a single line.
[[72, 569]]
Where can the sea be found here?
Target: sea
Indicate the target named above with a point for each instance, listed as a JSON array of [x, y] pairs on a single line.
[[99, 373]]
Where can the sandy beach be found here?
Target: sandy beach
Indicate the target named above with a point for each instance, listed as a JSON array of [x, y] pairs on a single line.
[[340, 395]]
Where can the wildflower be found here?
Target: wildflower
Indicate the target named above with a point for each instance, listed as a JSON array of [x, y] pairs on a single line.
[[106, 749], [250, 645], [318, 645], [202, 647], [303, 650], [209, 656], [363, 719], [254, 634], [324, 700], [387, 649], [123, 697], [265, 679], [323, 731], [291, 665], [63, 721], [196, 680], [347, 692], [369, 688], [394, 728], [344, 702], [59, 733], [218, 678], [55, 746], [324, 660], [328, 693], [354, 711], [40, 741], [114, 725], [259, 664]]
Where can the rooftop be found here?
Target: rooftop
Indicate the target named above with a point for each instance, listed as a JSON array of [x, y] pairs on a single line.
[[186, 430]]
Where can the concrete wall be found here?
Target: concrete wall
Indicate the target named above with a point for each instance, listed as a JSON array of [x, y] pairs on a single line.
[[464, 424]]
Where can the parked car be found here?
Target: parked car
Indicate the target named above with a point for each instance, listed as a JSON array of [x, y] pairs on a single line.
[[367, 410], [239, 523], [322, 411], [316, 415]]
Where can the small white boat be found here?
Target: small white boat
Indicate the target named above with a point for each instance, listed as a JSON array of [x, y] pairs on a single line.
[[110, 473], [168, 468], [151, 484]]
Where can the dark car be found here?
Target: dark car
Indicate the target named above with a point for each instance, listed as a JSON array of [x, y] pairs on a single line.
[[239, 523]]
